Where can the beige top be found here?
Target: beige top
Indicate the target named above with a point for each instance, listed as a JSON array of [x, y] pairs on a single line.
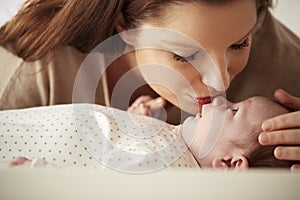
[[274, 63], [29, 84]]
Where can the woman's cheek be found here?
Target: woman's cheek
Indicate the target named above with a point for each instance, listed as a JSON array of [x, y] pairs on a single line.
[[157, 69], [239, 62], [144, 57]]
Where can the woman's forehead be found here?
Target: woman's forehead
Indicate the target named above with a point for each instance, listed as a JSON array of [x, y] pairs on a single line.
[[200, 21]]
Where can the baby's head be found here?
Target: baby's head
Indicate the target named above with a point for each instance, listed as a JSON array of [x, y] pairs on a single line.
[[235, 144]]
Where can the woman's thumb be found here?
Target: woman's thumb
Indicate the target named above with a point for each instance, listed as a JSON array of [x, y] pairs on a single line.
[[287, 99]]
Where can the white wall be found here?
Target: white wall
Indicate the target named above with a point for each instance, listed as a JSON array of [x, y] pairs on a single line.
[[8, 8], [287, 11]]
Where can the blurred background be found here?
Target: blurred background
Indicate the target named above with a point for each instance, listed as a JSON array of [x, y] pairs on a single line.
[[287, 11]]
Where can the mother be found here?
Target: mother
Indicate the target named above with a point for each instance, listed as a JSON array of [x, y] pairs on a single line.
[[43, 46]]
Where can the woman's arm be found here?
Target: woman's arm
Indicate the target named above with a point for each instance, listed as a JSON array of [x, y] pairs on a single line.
[[284, 129]]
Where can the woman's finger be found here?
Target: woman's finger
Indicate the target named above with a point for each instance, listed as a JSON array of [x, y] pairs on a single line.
[[287, 153], [287, 100], [295, 168], [289, 120], [282, 137]]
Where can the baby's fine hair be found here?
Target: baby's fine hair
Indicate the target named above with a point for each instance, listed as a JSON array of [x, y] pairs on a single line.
[[263, 157]]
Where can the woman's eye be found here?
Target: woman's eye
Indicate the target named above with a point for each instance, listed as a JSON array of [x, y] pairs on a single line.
[[234, 110], [183, 59], [242, 45]]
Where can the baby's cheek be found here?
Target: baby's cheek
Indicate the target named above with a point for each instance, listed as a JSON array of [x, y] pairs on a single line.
[[205, 162]]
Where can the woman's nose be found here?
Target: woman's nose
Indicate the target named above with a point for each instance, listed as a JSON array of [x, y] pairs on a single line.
[[225, 78], [221, 101], [219, 78]]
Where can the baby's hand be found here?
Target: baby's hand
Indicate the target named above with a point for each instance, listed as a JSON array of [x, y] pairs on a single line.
[[25, 162], [20, 161], [146, 105]]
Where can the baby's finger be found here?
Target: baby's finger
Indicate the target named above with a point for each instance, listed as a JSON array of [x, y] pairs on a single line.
[[290, 120], [138, 106], [141, 99], [141, 109], [156, 103], [287, 153], [289, 136], [19, 161]]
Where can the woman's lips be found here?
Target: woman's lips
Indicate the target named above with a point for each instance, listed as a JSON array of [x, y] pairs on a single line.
[[201, 102]]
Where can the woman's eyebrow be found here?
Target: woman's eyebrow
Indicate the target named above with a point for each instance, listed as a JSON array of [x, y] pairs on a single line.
[[181, 48], [181, 44]]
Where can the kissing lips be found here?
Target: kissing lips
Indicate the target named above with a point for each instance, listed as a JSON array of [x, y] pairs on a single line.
[[203, 101]]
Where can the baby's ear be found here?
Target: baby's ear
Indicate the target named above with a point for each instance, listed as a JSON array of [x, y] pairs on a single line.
[[123, 30], [238, 162]]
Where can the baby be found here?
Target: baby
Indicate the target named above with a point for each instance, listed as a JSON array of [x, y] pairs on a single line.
[[233, 143], [225, 136]]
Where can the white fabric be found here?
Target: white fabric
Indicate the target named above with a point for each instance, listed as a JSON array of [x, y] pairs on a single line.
[[93, 136]]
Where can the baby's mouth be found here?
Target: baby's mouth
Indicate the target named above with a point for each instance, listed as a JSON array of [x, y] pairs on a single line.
[[205, 109]]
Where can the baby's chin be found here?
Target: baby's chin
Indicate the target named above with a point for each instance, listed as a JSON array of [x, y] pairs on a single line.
[[205, 163], [188, 130]]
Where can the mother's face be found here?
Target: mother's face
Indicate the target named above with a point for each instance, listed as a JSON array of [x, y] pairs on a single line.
[[224, 34]]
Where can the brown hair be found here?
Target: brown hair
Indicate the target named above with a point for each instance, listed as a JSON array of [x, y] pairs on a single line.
[[42, 27], [263, 156]]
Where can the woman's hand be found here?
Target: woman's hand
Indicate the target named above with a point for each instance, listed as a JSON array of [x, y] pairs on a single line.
[[284, 130], [146, 105]]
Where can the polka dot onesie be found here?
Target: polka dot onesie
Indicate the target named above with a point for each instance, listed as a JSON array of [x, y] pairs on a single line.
[[92, 136]]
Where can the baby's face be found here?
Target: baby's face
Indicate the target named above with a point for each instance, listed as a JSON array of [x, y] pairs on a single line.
[[223, 129]]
